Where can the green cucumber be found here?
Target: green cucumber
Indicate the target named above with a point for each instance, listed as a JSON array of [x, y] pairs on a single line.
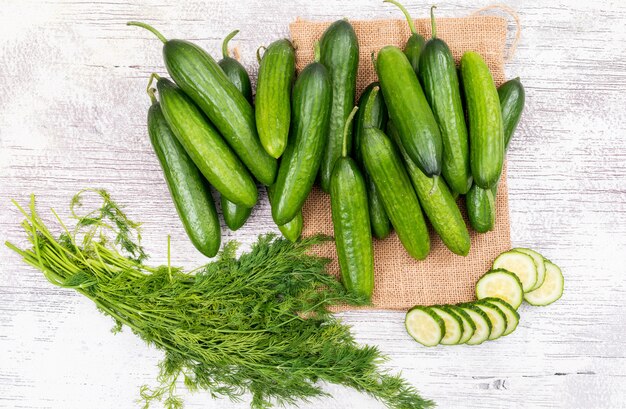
[[437, 73], [468, 325], [500, 284], [415, 43], [217, 162], [351, 223], [277, 70], [512, 316], [409, 110], [485, 121], [235, 215], [453, 324], [496, 316], [292, 230], [539, 262], [233, 69], [300, 163], [190, 193], [372, 113], [425, 326], [339, 53], [520, 264], [481, 321], [385, 167], [481, 206], [551, 289], [437, 202], [204, 81]]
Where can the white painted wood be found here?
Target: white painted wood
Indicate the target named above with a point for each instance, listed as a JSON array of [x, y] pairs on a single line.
[[72, 114]]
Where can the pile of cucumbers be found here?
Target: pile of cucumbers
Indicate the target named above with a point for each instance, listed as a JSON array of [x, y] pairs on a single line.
[[516, 275], [419, 138]]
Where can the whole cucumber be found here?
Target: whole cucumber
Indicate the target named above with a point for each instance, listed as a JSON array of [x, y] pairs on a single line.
[[485, 121], [292, 230], [235, 215], [204, 81], [339, 53], [300, 163], [351, 223], [372, 113], [233, 69], [409, 110], [437, 202], [437, 74], [273, 96], [415, 43], [217, 162], [481, 205], [190, 193], [386, 169]]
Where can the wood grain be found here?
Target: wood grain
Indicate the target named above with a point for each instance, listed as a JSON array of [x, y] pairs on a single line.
[[72, 115]]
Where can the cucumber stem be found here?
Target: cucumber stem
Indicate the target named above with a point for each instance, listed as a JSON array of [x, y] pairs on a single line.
[[258, 53], [149, 28], [367, 109], [346, 129], [225, 43], [432, 189], [151, 92], [373, 60], [433, 25], [406, 14], [149, 89], [317, 52]]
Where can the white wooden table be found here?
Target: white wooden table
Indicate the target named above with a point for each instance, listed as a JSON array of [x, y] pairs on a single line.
[[72, 115]]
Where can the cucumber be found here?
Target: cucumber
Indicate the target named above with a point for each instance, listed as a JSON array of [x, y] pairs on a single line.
[[339, 53], [497, 318], [437, 202], [217, 162], [351, 223], [539, 262], [512, 316], [300, 163], [409, 110], [520, 264], [437, 73], [425, 326], [468, 325], [551, 289], [190, 193], [235, 215], [203, 80], [415, 43], [453, 324], [485, 121], [292, 230], [277, 70], [500, 284], [481, 322], [384, 165], [372, 114], [481, 207], [233, 69]]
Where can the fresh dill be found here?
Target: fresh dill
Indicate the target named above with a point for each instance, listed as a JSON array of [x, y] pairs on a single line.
[[256, 323]]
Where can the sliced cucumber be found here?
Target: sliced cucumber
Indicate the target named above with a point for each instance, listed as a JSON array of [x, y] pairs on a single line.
[[482, 322], [539, 261], [497, 318], [500, 284], [453, 324], [425, 326], [512, 317], [520, 264], [468, 325], [551, 289]]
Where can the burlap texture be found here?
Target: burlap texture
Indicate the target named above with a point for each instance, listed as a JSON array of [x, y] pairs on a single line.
[[400, 281]]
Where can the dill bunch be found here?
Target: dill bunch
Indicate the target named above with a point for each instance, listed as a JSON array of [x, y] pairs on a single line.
[[258, 323]]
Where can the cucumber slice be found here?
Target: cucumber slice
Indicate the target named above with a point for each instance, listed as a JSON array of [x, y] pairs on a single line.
[[482, 322], [497, 318], [512, 317], [500, 284], [453, 324], [539, 261], [425, 326], [551, 289], [520, 264], [468, 325]]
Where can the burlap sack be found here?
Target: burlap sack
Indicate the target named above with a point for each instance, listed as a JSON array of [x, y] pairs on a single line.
[[400, 281]]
